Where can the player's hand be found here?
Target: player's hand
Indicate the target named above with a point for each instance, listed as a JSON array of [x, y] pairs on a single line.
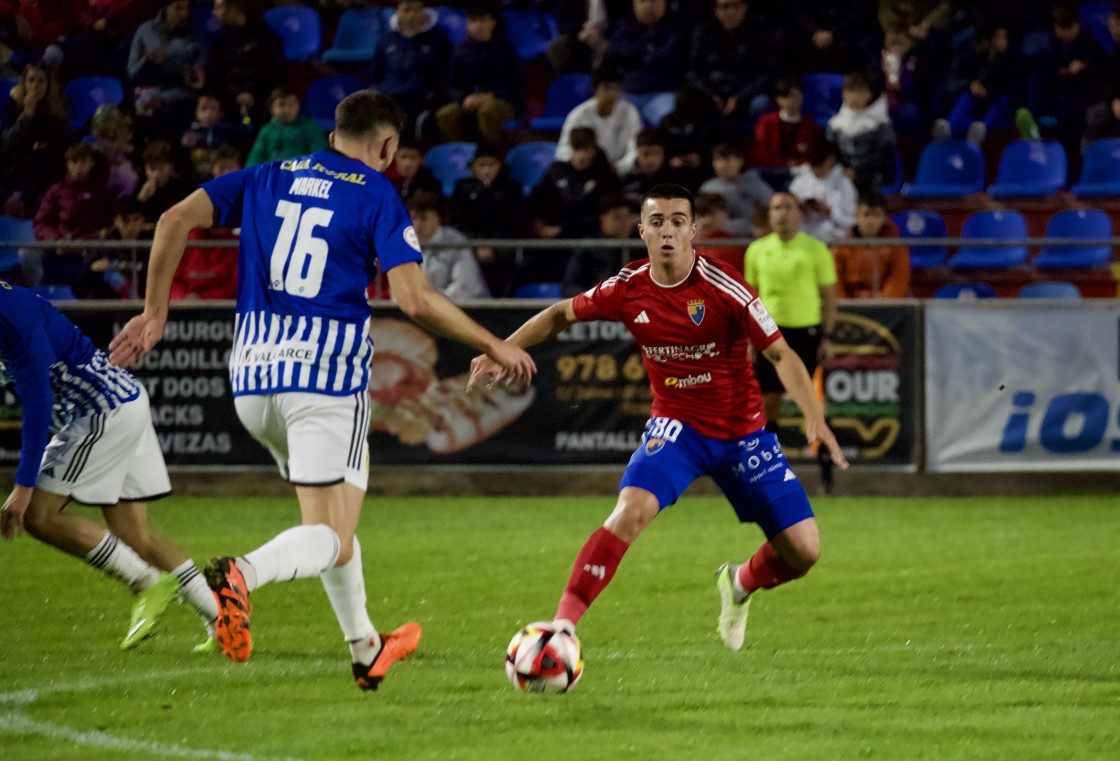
[[138, 337], [484, 373], [15, 507], [818, 430], [517, 366]]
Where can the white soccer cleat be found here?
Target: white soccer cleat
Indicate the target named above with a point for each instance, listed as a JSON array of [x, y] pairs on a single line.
[[732, 614]]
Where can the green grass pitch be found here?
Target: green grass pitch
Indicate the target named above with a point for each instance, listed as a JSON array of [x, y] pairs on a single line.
[[931, 629]]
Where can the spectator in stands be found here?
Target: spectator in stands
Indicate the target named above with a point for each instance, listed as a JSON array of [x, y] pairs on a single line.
[[863, 132], [411, 60], [836, 36], [485, 82], [166, 64], [731, 59], [412, 176], [568, 195], [588, 266], [648, 48], [917, 17], [490, 204], [205, 272], [616, 121], [114, 273], [690, 130], [75, 207], [782, 138], [711, 224], [35, 134], [289, 133], [746, 194], [454, 272], [103, 28], [913, 76], [1103, 118], [209, 130], [582, 25], [111, 130], [649, 165], [162, 186], [827, 196], [245, 61], [868, 271], [981, 84]]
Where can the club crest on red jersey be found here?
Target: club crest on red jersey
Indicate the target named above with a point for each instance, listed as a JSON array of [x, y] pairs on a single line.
[[696, 311]]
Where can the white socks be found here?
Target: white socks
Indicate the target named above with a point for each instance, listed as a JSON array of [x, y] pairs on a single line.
[[346, 589], [120, 561], [192, 588], [297, 553]]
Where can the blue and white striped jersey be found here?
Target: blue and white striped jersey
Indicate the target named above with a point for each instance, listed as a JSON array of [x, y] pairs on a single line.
[[312, 232], [55, 370]]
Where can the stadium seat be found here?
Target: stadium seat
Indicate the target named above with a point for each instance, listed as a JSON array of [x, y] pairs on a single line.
[[895, 185], [529, 161], [1100, 170], [1088, 224], [85, 94], [298, 28], [1095, 18], [1030, 168], [530, 31], [821, 93], [55, 292], [448, 162], [14, 230], [923, 224], [966, 291], [564, 93], [6, 85], [324, 95], [453, 22], [996, 226], [357, 35], [1054, 289], [538, 291], [948, 168]]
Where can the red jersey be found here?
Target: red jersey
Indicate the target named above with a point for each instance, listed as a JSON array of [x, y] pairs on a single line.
[[694, 338]]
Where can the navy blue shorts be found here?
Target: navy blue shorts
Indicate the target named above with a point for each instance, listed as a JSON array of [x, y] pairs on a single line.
[[752, 472]]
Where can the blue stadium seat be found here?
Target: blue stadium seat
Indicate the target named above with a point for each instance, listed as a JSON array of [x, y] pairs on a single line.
[[539, 291], [357, 35], [1053, 289], [564, 93], [85, 94], [1030, 168], [966, 291], [529, 161], [324, 95], [923, 224], [55, 292], [822, 95], [948, 168], [14, 230], [1089, 224], [453, 22], [448, 162], [992, 225], [299, 28], [530, 31], [1100, 170], [1095, 18]]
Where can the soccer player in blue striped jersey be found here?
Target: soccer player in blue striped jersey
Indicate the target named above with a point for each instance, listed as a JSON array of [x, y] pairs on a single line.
[[313, 231], [104, 453]]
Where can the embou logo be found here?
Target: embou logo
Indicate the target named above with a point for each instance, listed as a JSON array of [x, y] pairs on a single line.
[[688, 381]]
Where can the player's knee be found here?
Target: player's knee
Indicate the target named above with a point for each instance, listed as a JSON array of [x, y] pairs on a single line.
[[345, 552], [634, 511], [805, 555]]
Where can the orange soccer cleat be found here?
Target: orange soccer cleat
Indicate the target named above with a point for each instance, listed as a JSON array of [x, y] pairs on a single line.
[[232, 625], [394, 647]]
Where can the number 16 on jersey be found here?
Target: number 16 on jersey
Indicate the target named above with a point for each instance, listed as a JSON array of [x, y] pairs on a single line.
[[297, 268]]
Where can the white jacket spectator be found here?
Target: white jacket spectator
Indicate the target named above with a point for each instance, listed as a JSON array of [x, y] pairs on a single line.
[[453, 271], [616, 122], [828, 201]]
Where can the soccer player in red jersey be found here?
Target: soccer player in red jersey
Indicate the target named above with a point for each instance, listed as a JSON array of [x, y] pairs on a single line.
[[693, 319]]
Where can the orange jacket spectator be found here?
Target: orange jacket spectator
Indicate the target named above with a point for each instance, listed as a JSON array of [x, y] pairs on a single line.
[[207, 273], [855, 268]]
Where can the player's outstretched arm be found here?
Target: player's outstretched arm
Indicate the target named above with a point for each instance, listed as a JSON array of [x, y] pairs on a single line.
[[542, 326], [791, 370], [435, 312], [142, 333]]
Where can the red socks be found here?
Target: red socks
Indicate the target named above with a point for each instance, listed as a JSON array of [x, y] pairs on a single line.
[[594, 568], [766, 569]]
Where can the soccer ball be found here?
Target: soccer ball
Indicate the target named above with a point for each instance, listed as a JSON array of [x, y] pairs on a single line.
[[544, 657]]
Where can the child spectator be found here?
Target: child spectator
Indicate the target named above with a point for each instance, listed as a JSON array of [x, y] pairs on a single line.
[[588, 266], [863, 132], [411, 60], [112, 139], [115, 273], [489, 204], [827, 196], [568, 194], [162, 187], [165, 61], [208, 130], [746, 193], [869, 271], [205, 272], [711, 224], [616, 122], [287, 134], [35, 135], [690, 130], [412, 176], [649, 165], [981, 80], [782, 138], [484, 83], [451, 271]]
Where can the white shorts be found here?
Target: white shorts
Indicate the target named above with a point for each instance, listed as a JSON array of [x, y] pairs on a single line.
[[316, 440], [103, 459]]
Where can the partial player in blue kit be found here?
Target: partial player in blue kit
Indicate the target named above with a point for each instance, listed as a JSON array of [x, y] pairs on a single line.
[[314, 230], [103, 453]]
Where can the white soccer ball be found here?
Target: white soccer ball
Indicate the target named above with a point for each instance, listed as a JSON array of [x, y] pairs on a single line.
[[544, 657]]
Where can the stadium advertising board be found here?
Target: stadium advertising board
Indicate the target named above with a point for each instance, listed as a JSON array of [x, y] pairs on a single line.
[[1013, 387]]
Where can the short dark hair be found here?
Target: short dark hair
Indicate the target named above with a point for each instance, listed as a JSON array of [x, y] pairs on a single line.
[[424, 200], [727, 149], [820, 151], [582, 138], [651, 136], [80, 152], [605, 73], [409, 143], [279, 93], [872, 199], [670, 191], [158, 152], [485, 151], [484, 8], [366, 111], [709, 203], [785, 85], [612, 201], [228, 153], [1065, 15], [858, 80]]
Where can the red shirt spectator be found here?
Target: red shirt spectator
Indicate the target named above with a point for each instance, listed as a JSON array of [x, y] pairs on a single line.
[[782, 138], [207, 273], [77, 206]]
